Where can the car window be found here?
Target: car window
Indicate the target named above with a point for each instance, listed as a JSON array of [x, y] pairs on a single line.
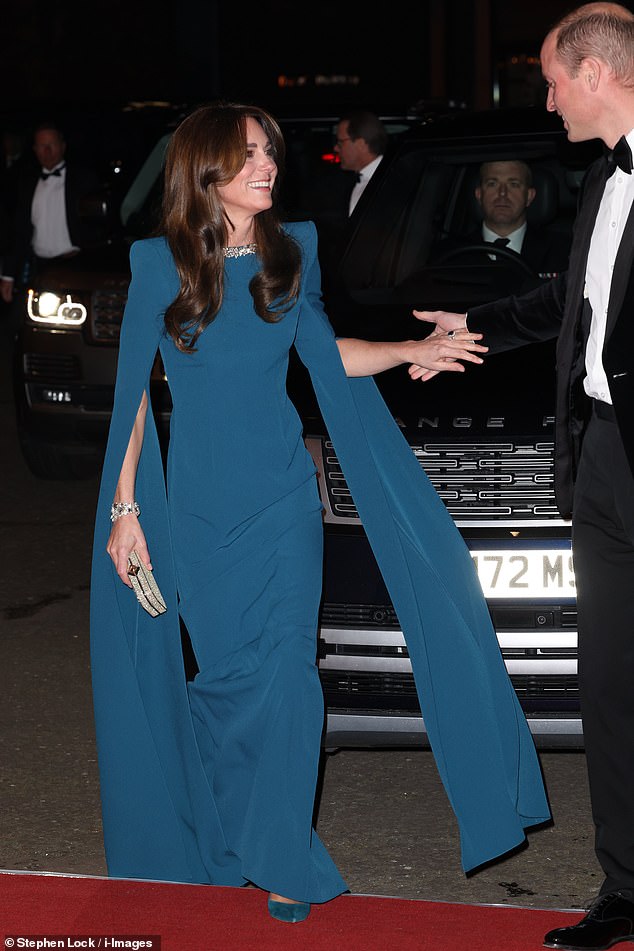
[[391, 256], [390, 261]]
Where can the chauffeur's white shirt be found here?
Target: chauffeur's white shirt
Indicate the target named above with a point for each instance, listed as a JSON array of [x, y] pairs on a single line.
[[515, 238]]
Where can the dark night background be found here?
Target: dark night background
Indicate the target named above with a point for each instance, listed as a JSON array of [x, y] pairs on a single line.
[[110, 51], [83, 62]]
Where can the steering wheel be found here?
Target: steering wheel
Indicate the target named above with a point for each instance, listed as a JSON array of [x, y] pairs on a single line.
[[467, 250]]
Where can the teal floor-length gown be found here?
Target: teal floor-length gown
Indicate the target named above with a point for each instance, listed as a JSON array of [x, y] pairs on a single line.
[[214, 781]]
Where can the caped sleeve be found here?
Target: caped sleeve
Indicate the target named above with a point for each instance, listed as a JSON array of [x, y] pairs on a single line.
[[150, 776], [477, 731], [141, 331], [315, 336], [142, 326]]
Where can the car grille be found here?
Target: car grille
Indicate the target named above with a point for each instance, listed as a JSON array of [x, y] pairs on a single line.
[[344, 685], [359, 689], [358, 616], [565, 687], [380, 616], [52, 366], [329, 648], [479, 482], [106, 312]]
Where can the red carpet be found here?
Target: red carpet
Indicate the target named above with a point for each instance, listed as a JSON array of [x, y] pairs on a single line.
[[203, 918]]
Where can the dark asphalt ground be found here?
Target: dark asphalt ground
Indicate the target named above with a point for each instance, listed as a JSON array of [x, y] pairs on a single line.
[[382, 813]]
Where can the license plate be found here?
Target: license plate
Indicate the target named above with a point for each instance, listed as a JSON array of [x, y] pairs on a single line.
[[525, 573]]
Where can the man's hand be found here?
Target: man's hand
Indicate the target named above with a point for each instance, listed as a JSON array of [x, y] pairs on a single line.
[[444, 320]]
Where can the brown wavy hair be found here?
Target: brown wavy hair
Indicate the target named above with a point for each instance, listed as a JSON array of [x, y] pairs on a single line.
[[208, 149]]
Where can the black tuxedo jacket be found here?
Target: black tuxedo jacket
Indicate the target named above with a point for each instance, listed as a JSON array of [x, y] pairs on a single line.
[[79, 183], [547, 252], [556, 309]]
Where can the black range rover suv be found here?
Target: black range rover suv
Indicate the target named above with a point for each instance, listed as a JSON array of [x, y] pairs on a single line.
[[484, 437]]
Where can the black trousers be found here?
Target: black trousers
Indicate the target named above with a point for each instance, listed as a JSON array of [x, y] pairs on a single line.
[[603, 550]]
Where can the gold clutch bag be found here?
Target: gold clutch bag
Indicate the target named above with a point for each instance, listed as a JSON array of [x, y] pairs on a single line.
[[145, 587]]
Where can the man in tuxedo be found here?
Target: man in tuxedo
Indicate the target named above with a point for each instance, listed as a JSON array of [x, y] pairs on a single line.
[[588, 63], [360, 142], [47, 221], [504, 193]]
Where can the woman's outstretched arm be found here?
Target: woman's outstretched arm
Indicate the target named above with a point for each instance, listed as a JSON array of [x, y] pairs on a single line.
[[437, 352]]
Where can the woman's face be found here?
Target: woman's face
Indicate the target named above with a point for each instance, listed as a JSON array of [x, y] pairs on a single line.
[[250, 191]]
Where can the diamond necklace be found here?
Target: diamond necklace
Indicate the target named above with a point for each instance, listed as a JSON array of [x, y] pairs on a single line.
[[240, 250]]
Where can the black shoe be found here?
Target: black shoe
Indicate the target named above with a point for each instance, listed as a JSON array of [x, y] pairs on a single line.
[[609, 920]]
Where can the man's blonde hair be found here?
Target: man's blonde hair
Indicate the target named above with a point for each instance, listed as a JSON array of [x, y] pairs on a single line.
[[603, 31]]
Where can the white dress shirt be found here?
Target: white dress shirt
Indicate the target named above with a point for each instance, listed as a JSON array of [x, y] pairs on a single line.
[[515, 238], [614, 209], [364, 176], [48, 217]]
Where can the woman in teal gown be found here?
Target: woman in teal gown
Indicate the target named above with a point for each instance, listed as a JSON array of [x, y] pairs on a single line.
[[213, 781]]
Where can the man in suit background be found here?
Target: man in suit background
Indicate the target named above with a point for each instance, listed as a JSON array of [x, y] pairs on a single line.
[[47, 221], [588, 63], [504, 193], [360, 142]]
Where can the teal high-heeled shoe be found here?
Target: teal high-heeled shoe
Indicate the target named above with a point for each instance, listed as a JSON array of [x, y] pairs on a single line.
[[289, 911]]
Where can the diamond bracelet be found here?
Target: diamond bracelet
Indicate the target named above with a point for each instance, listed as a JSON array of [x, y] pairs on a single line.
[[124, 508]]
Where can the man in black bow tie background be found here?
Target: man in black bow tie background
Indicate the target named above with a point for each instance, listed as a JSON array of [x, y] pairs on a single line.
[[588, 63], [47, 221], [360, 142]]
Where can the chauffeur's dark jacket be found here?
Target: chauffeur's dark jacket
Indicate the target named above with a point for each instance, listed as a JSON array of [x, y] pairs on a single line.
[[556, 308], [79, 182], [542, 250]]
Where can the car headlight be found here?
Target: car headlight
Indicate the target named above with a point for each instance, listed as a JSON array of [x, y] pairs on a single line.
[[45, 307]]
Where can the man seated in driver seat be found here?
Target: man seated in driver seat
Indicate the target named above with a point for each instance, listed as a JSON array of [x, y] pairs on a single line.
[[504, 193]]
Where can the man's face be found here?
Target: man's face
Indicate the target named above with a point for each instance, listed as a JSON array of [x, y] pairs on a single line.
[[504, 195], [352, 152], [568, 96], [49, 147]]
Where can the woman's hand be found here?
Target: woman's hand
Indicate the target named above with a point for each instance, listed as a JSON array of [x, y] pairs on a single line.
[[444, 351], [126, 536]]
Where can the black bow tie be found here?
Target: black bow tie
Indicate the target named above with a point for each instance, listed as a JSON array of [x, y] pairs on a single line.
[[57, 172], [620, 155]]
